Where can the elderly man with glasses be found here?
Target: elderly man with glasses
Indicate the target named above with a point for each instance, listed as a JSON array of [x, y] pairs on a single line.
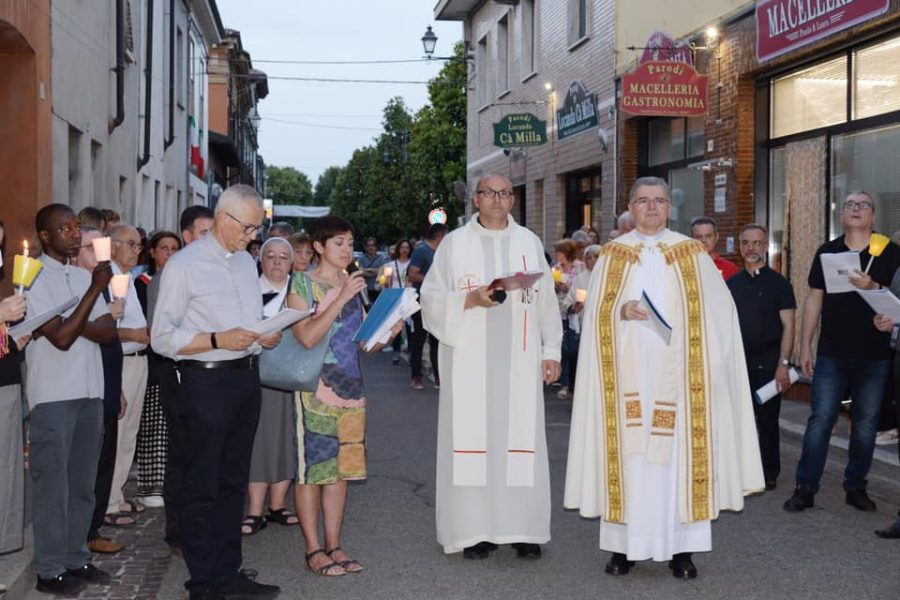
[[853, 356]]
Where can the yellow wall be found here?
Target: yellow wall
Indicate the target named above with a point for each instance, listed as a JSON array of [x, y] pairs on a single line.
[[637, 19]]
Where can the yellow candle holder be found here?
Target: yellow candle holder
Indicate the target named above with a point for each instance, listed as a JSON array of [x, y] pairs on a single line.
[[877, 244], [25, 269]]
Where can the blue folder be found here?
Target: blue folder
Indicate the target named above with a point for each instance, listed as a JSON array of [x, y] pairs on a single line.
[[387, 301]]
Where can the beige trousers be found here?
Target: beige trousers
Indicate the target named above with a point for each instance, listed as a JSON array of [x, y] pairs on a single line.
[[134, 386]]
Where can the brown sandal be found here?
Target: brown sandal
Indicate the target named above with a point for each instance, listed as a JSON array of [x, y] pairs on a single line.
[[350, 565], [327, 570]]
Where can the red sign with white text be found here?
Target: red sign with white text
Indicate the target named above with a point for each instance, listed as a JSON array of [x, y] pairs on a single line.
[[785, 25], [664, 89]]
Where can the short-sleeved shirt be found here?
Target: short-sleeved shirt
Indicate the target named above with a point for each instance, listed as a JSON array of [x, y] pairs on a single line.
[[133, 317], [727, 268], [56, 375], [204, 289], [421, 258], [847, 330], [759, 299]]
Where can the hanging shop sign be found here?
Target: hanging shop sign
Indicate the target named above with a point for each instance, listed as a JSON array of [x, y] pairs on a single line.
[[785, 25], [578, 112], [661, 47], [664, 89], [522, 129]]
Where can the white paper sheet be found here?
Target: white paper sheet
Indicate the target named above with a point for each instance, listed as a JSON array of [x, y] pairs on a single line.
[[883, 302], [838, 268], [31, 324], [768, 391], [656, 323], [408, 306], [280, 321]]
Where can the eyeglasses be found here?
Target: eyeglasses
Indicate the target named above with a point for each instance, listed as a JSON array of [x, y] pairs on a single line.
[[132, 245], [861, 205], [248, 228], [491, 194], [644, 201]]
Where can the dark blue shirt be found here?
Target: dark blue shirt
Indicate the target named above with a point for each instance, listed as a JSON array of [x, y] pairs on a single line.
[[421, 258], [759, 299]]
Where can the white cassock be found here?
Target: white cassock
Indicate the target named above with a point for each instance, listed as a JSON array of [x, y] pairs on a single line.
[[493, 478], [663, 436]]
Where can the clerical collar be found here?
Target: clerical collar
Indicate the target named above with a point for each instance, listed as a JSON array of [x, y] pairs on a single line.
[[650, 238]]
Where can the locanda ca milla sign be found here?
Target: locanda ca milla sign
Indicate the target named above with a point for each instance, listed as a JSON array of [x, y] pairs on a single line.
[[521, 129], [785, 25], [578, 111]]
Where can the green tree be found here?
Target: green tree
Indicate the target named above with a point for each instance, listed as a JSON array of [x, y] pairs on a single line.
[[287, 185], [327, 181]]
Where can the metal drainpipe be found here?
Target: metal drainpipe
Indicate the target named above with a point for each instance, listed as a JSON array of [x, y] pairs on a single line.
[[171, 139], [120, 66], [148, 79]]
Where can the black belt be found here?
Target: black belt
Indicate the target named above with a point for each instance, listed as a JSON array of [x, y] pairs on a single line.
[[247, 362], [138, 353]]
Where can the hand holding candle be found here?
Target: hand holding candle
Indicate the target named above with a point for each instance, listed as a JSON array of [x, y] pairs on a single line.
[[119, 285], [557, 274], [580, 295], [102, 249], [877, 244], [25, 269]]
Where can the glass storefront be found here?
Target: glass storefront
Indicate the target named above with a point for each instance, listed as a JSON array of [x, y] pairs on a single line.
[[582, 195]]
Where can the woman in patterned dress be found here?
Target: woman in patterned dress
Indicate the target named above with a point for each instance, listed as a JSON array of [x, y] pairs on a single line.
[[331, 422]]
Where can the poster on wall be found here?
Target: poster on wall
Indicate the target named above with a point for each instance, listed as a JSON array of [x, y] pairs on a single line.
[[785, 25], [578, 112]]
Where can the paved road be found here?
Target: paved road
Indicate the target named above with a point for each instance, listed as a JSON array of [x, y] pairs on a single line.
[[827, 552]]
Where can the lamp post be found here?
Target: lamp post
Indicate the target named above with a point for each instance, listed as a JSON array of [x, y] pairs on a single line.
[[429, 41]]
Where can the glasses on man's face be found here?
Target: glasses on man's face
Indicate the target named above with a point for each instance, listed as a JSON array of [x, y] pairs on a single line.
[[69, 229], [645, 201], [132, 245], [491, 194], [249, 229], [861, 205]]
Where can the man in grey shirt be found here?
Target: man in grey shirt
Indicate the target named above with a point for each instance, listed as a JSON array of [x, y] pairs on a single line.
[[208, 298], [65, 394]]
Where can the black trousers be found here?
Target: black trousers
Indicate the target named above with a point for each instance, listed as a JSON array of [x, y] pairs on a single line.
[[220, 410], [167, 377], [105, 468], [417, 336], [767, 425]]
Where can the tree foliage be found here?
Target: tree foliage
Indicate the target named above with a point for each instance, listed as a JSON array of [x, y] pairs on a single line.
[[287, 185]]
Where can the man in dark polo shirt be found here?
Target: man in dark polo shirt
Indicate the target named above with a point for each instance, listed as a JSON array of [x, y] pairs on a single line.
[[766, 306], [208, 300], [853, 356]]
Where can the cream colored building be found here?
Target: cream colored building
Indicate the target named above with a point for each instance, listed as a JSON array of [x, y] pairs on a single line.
[[528, 54]]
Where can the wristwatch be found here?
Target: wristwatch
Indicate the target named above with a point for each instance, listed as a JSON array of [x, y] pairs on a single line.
[[785, 362]]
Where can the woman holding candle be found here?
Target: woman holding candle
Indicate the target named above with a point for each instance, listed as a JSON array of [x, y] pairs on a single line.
[[152, 439], [330, 421], [274, 452], [573, 305], [565, 270]]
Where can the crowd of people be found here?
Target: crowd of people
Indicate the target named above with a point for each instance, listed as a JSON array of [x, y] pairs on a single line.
[[165, 380]]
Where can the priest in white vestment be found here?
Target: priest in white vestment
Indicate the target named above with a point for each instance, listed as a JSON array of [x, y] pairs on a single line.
[[663, 435], [493, 478]]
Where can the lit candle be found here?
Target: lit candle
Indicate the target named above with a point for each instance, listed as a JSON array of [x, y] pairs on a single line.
[[557, 274], [101, 248], [580, 295], [388, 271], [25, 248]]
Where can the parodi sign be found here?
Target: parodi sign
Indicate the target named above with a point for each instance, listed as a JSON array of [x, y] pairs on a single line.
[[664, 89], [522, 129], [785, 25]]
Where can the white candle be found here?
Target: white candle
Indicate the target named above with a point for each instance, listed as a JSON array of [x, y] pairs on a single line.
[[119, 284], [25, 248], [580, 295], [101, 248], [388, 271]]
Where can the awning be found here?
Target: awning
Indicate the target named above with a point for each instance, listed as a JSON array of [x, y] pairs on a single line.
[[310, 212]]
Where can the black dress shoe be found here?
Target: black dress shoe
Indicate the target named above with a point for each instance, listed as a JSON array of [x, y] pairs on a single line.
[[682, 566], [523, 550], [206, 594], [891, 533], [243, 587], [771, 484], [65, 585], [801, 500], [860, 500], [479, 550], [618, 564], [91, 574]]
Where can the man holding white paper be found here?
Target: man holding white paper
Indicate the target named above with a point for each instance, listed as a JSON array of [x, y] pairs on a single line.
[[662, 434], [766, 307], [852, 356], [493, 476]]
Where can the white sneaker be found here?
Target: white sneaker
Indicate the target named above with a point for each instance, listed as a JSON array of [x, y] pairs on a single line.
[[152, 501], [886, 438]]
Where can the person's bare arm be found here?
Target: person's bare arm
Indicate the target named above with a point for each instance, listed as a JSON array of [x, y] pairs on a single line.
[[101, 331], [61, 332], [809, 322], [782, 377]]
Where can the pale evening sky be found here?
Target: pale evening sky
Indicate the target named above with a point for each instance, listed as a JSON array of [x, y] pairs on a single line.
[[313, 125]]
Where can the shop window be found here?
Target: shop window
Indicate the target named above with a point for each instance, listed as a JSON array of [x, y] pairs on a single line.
[[673, 140], [810, 98], [696, 136], [867, 160], [582, 194], [876, 82], [687, 198]]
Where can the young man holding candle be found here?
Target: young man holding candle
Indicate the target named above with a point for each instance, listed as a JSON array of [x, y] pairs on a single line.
[[126, 246], [852, 356], [65, 394]]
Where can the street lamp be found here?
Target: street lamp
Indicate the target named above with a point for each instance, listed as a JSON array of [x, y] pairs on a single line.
[[429, 41]]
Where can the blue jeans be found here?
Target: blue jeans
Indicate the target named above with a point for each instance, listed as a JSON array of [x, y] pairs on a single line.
[[833, 378]]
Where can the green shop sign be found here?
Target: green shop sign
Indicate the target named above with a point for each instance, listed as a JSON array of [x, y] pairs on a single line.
[[523, 129], [578, 112]]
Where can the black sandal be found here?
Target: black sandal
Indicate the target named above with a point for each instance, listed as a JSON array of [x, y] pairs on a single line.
[[254, 523], [347, 564], [326, 570], [282, 517]]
